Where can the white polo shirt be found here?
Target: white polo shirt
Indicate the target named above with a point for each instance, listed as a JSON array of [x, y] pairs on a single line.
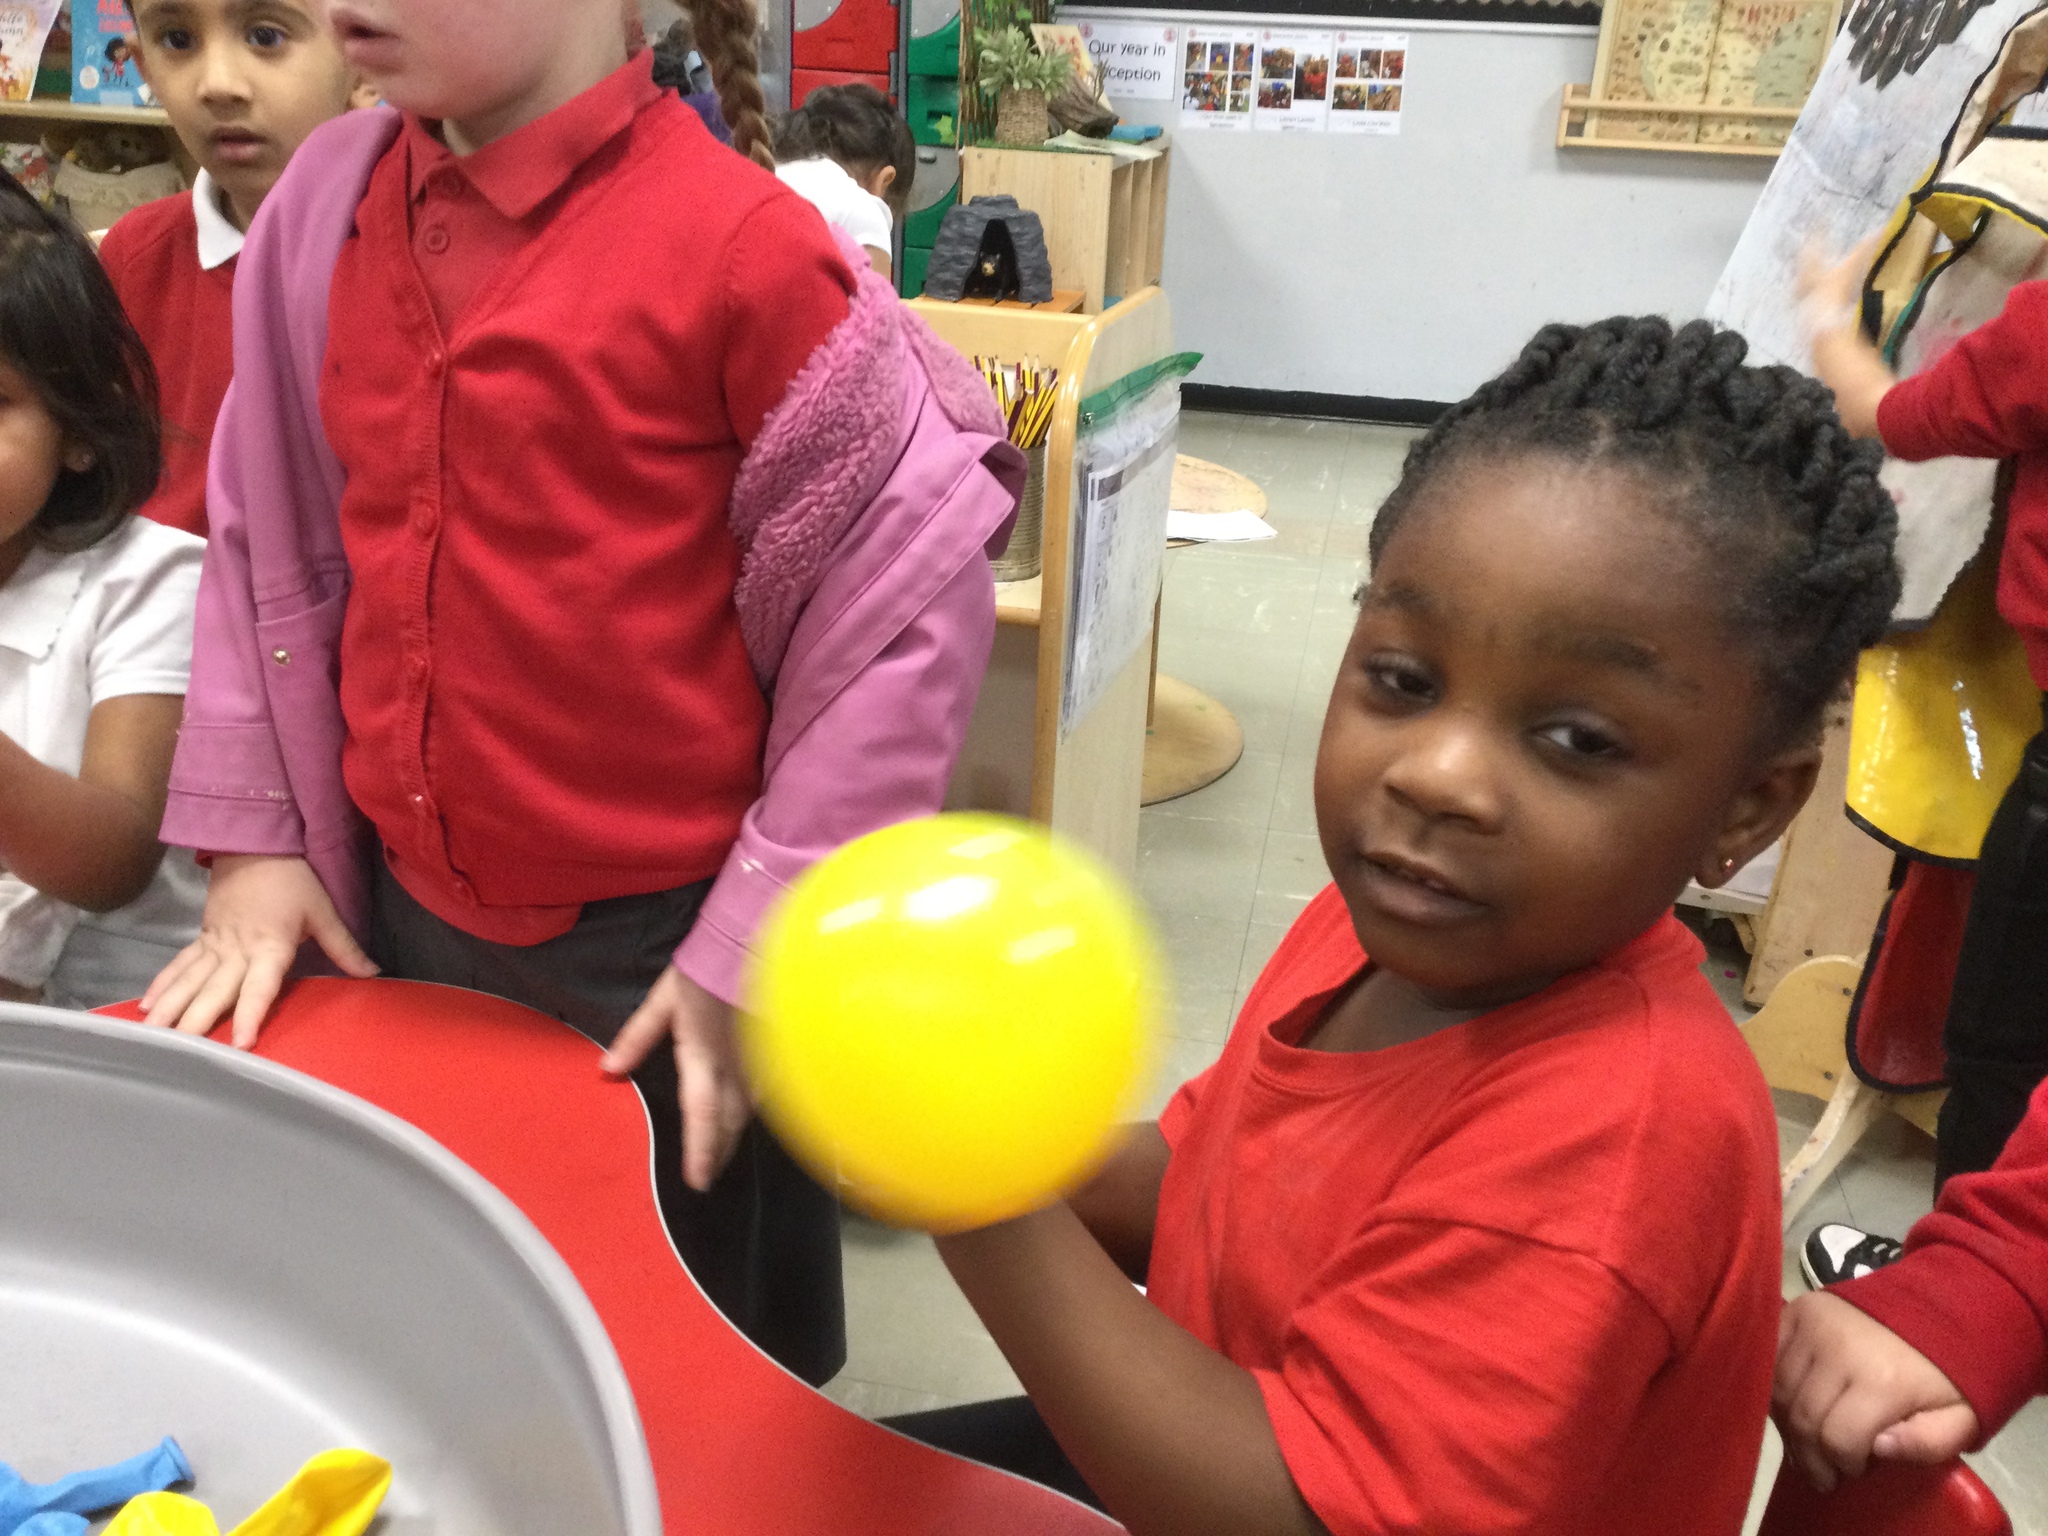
[[828, 187], [77, 629]]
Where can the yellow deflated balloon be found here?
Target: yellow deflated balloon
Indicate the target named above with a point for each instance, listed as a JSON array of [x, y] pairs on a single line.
[[950, 1017]]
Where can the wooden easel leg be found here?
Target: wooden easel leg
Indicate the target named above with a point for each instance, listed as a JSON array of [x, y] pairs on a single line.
[[1853, 1109], [1152, 688]]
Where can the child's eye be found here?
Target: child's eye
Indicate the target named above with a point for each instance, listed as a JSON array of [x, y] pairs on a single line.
[[174, 39], [267, 37], [1583, 741], [1399, 681]]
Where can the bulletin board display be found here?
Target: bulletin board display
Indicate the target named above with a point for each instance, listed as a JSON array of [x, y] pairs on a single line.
[[1714, 74]]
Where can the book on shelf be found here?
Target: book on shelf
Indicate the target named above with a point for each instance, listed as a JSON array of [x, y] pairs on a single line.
[[24, 29], [104, 69]]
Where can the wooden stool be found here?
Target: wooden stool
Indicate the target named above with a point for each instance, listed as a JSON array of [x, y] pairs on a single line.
[[1191, 740], [1801, 1041]]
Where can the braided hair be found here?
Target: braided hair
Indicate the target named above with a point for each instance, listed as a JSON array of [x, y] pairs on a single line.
[[726, 33], [1754, 461]]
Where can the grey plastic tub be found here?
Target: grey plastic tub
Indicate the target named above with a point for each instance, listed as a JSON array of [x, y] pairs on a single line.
[[197, 1243]]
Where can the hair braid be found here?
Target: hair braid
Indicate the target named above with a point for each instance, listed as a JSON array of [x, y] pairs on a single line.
[[725, 31], [1757, 464]]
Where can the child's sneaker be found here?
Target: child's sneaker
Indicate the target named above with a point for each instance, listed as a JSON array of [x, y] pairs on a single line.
[[1834, 1252]]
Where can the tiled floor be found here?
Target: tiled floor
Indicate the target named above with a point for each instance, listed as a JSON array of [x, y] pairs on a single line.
[[1262, 627]]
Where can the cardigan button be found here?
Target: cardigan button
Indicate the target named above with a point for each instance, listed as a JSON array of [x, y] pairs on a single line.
[[281, 656]]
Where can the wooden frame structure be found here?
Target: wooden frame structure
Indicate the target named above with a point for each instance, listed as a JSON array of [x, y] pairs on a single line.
[[1087, 783], [1104, 215]]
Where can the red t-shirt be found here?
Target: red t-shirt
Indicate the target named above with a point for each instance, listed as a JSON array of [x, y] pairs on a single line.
[[1971, 1293], [185, 316], [545, 363], [1987, 398], [1520, 1275]]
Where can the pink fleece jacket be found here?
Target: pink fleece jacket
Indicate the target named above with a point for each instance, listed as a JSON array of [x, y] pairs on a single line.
[[864, 515]]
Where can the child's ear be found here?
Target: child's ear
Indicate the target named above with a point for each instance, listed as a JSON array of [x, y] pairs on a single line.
[[79, 457], [361, 94], [1759, 815], [883, 179]]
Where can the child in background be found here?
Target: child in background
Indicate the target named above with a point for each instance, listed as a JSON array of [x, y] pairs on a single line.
[[1474, 1226], [849, 154], [1983, 398], [243, 84], [95, 634], [563, 440], [1929, 1356]]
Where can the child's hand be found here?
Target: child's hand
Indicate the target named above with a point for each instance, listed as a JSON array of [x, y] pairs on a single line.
[[1848, 1389], [1831, 293], [712, 1084], [259, 910]]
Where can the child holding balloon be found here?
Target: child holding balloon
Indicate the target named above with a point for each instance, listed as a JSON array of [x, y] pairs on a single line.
[[596, 544], [1474, 1226]]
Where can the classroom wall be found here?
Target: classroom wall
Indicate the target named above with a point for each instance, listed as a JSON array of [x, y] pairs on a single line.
[[1414, 267]]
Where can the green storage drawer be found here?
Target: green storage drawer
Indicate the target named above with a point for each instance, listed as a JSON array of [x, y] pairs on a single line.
[[934, 109], [910, 281], [922, 227], [937, 53]]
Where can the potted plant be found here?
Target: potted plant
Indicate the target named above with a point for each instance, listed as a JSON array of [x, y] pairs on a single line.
[[1022, 80]]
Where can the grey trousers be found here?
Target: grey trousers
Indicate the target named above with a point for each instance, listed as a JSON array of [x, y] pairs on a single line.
[[764, 1241]]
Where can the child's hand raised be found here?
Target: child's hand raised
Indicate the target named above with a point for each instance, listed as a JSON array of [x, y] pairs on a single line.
[[1848, 1389], [259, 910], [1831, 292], [712, 1083]]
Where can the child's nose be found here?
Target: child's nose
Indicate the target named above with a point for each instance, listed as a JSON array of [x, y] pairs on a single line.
[[224, 77], [1448, 767]]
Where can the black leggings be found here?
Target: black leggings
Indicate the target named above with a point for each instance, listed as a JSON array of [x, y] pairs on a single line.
[[1997, 1033], [1007, 1434]]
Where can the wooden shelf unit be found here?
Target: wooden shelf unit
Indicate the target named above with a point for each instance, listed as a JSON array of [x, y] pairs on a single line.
[[1104, 215], [47, 111], [1577, 121], [1087, 784]]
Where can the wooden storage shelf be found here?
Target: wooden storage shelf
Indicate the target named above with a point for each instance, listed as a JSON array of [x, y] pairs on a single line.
[[1104, 214], [84, 112], [1087, 782], [1575, 124]]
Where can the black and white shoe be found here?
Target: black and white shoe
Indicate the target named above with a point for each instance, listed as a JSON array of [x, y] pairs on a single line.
[[1835, 1252]]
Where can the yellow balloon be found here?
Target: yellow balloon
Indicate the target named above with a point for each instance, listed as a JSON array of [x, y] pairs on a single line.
[[949, 1018]]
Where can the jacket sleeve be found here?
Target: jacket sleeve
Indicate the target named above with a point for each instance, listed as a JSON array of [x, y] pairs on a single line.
[[1985, 398], [1971, 1294], [881, 751], [229, 791]]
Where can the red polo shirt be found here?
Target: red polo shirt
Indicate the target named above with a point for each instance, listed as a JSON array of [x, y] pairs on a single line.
[[184, 313], [546, 361]]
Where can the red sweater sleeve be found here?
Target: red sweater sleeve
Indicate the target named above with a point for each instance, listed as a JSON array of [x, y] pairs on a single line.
[[1986, 398], [786, 291], [1971, 1293]]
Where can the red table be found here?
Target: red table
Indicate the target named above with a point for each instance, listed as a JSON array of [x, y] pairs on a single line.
[[739, 1446]]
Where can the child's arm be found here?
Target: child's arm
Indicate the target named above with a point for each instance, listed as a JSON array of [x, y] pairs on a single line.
[[1831, 299], [1120, 1205], [1985, 398], [1848, 1389], [1174, 1437], [1435, 1377], [91, 841], [1930, 1355]]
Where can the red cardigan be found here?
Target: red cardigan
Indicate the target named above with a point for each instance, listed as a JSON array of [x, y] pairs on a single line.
[[1971, 1294], [1987, 398], [185, 316]]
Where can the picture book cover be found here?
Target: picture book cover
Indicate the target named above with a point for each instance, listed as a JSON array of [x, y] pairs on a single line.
[[24, 28], [103, 64]]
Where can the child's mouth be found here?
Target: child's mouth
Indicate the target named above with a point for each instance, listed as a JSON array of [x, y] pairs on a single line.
[[1412, 891]]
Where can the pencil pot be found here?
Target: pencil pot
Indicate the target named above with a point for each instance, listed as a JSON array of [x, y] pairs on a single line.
[[1021, 557]]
